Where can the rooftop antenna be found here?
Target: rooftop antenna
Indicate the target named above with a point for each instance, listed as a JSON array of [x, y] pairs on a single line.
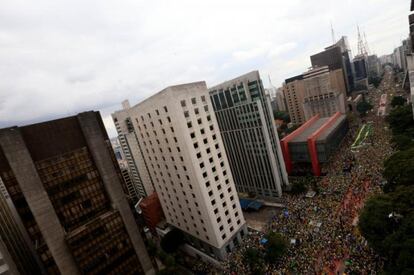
[[366, 43], [361, 45], [333, 34]]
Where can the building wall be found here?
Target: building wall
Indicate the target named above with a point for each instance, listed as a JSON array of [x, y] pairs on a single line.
[[69, 185], [183, 150], [141, 183], [246, 124], [294, 94], [323, 93]]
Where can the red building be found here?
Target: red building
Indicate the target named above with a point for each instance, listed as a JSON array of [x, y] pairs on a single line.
[[314, 142], [151, 211]]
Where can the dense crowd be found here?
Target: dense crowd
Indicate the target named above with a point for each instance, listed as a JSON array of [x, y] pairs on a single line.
[[321, 230]]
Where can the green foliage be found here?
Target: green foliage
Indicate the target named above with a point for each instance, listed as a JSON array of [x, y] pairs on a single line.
[[401, 120], [387, 222], [281, 116], [397, 101], [298, 187], [399, 169], [254, 259], [291, 129], [172, 240], [276, 247], [402, 142], [374, 80], [363, 107]]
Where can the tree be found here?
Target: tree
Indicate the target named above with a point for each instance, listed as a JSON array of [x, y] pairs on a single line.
[[401, 120], [298, 187], [387, 223], [402, 142], [363, 107], [276, 247], [172, 240], [254, 259], [374, 80], [281, 116], [397, 101], [399, 169]]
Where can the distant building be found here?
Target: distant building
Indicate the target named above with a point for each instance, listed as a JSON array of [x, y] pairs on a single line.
[[180, 144], [130, 188], [141, 183], [294, 92], [373, 66], [64, 185], [151, 211], [245, 119], [337, 57], [321, 97], [280, 100], [314, 142]]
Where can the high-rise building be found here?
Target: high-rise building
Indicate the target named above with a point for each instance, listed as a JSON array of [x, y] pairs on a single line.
[[280, 100], [321, 97], [183, 150], [249, 134], [65, 187], [141, 183], [129, 187], [337, 57], [294, 92]]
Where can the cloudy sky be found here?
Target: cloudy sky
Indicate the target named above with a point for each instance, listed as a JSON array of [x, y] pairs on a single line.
[[58, 58]]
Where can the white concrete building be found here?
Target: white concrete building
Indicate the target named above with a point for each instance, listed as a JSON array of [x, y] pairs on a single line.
[[183, 152]]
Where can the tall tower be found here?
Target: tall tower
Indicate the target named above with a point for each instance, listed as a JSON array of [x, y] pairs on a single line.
[[183, 150], [362, 49], [246, 124], [64, 183]]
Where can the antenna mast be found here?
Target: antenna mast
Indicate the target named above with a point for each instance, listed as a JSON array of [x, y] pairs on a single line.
[[333, 34]]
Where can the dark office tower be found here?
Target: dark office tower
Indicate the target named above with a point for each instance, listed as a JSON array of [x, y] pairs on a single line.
[[63, 181], [16, 255], [337, 57], [252, 145]]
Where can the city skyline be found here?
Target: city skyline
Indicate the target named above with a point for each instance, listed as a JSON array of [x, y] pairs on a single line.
[[97, 55]]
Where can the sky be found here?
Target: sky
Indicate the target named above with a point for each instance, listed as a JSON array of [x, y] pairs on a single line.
[[59, 58]]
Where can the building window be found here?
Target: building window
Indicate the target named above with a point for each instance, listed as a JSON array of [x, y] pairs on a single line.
[[192, 135], [205, 141], [202, 165], [182, 103], [208, 118], [165, 109], [211, 127], [199, 121], [198, 155], [214, 137], [189, 124], [193, 100], [169, 119], [157, 112], [216, 211], [203, 98], [207, 184], [213, 202], [186, 114], [206, 108], [218, 219], [221, 228], [195, 145], [202, 131], [224, 236], [196, 111]]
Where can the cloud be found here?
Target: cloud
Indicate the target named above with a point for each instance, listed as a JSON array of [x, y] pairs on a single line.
[[63, 57]]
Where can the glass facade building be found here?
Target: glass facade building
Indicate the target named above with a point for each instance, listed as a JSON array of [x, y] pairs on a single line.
[[249, 134]]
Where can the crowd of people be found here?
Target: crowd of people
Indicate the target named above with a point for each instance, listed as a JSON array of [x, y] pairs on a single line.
[[321, 230]]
